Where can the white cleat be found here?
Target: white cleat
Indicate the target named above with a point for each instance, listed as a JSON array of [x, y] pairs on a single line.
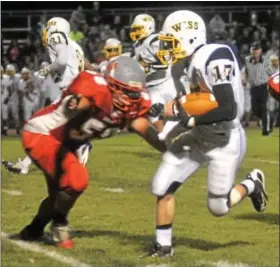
[[15, 167]]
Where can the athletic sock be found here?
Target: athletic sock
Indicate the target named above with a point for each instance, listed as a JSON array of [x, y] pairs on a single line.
[[164, 235]]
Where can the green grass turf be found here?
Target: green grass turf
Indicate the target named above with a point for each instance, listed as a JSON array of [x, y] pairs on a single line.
[[114, 229]]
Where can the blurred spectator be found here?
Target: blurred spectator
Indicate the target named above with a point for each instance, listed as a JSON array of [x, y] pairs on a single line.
[[274, 50], [78, 18], [245, 38], [40, 25], [29, 49], [159, 22], [273, 64], [263, 39], [107, 33], [76, 35], [117, 25], [94, 15], [276, 21], [217, 24], [126, 43], [13, 52]]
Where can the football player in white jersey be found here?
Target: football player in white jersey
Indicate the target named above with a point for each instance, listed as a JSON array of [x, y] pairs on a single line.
[[67, 57], [30, 96], [158, 76], [12, 100], [4, 100], [111, 50], [216, 137], [67, 60]]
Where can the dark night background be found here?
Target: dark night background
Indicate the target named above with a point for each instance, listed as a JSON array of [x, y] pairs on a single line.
[[33, 5]]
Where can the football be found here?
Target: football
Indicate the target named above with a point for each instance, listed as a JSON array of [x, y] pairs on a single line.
[[198, 103], [273, 86]]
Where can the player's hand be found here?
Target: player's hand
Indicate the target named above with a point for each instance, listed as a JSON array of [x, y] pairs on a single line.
[[73, 103], [156, 110], [180, 113]]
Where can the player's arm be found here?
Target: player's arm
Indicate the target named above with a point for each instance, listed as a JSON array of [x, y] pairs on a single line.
[[144, 128], [88, 66], [75, 104], [220, 68], [62, 52]]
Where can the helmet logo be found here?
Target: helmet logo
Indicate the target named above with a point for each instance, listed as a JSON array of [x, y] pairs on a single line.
[[147, 19], [187, 25]]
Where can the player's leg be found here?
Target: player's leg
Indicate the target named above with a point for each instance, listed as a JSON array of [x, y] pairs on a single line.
[[223, 164], [271, 107], [4, 108], [172, 172], [265, 115], [22, 166], [45, 213], [15, 113], [66, 175], [247, 107]]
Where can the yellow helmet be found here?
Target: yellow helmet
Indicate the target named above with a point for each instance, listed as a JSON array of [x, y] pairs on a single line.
[[112, 48], [143, 25]]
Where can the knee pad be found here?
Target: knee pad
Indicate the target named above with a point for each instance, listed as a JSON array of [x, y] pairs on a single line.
[[76, 177], [162, 191], [218, 205]]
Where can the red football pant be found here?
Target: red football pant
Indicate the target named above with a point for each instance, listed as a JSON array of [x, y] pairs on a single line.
[[61, 166]]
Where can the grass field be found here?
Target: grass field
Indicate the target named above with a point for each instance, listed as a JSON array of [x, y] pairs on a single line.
[[114, 229]]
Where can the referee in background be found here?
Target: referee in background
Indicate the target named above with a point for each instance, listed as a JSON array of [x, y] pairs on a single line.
[[256, 69]]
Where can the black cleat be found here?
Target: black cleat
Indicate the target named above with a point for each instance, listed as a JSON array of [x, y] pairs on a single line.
[[160, 251], [259, 196], [30, 233]]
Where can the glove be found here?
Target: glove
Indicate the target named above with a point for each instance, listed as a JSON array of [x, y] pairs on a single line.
[[156, 110], [44, 72], [184, 119]]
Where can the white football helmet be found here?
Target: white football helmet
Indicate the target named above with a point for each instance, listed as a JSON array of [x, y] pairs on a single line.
[[25, 73], [182, 32], [143, 25], [55, 24], [10, 70], [112, 48]]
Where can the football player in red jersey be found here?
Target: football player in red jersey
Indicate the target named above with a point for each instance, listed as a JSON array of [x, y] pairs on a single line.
[[91, 105], [273, 86]]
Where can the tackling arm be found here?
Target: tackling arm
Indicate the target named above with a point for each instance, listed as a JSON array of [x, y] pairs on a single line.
[[145, 129]]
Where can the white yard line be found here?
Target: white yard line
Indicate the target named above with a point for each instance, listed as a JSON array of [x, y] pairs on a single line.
[[264, 161], [114, 190], [221, 264], [51, 254], [12, 192]]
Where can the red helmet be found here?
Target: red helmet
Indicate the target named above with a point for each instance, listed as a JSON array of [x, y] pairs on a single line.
[[273, 86]]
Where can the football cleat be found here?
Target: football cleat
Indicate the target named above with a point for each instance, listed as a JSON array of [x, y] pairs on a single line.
[[259, 197], [31, 233], [61, 236], [158, 250], [15, 167]]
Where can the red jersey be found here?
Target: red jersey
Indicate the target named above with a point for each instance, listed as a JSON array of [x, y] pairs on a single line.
[[52, 119]]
